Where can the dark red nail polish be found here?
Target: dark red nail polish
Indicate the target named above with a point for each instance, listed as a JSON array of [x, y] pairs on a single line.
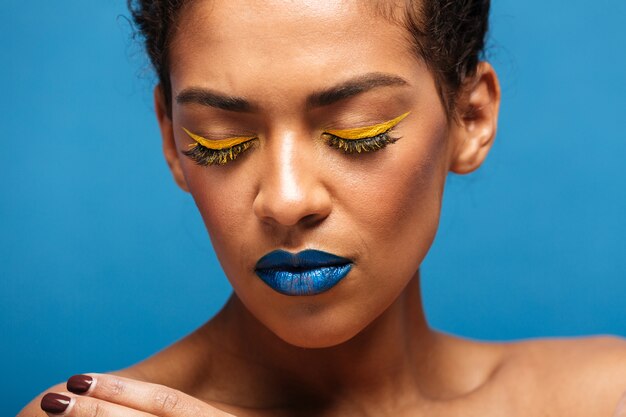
[[55, 403], [79, 384]]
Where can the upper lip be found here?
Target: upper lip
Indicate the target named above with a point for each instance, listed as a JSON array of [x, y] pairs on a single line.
[[306, 259]]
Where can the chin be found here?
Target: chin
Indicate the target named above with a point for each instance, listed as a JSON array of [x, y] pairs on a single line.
[[318, 331], [316, 340]]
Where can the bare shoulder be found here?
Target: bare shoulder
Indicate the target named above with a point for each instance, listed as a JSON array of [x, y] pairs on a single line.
[[578, 358], [579, 376]]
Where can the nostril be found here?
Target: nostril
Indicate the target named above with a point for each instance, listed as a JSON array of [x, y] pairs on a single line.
[[312, 219]]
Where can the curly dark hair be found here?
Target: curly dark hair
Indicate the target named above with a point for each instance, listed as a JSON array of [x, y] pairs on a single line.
[[448, 34]]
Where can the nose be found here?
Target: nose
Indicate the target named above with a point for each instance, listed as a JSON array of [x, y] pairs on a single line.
[[292, 190]]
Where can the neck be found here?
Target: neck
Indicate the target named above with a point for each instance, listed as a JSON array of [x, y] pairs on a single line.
[[384, 359]]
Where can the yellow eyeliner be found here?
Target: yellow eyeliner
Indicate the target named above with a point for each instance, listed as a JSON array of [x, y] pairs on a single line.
[[367, 131], [217, 144]]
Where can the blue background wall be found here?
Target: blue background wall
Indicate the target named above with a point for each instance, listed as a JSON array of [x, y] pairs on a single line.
[[99, 250]]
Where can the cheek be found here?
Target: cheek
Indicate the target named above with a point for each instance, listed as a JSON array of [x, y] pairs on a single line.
[[392, 212], [396, 207], [223, 200]]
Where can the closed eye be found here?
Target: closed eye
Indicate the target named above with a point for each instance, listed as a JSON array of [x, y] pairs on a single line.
[[206, 152], [363, 139]]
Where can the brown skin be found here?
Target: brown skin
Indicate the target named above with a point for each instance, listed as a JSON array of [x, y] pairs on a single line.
[[364, 347]]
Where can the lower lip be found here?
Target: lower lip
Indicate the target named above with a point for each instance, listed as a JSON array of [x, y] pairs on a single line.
[[304, 282]]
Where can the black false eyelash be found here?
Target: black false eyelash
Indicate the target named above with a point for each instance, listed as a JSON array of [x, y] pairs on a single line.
[[360, 145], [204, 156]]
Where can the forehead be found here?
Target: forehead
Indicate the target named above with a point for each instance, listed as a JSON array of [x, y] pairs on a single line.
[[231, 42]]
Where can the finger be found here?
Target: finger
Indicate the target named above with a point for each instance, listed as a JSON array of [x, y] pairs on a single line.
[[154, 399], [69, 405]]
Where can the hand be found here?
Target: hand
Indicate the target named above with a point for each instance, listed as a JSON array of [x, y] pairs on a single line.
[[621, 408], [101, 395]]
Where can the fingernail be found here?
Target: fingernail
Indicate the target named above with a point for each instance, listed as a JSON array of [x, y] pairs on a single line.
[[55, 403], [79, 384]]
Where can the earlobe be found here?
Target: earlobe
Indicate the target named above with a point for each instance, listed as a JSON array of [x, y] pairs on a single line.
[[167, 133], [475, 129]]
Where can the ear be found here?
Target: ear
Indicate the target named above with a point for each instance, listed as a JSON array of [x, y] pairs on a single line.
[[474, 130], [167, 134]]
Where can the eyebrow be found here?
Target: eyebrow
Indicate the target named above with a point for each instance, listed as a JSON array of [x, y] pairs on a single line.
[[353, 87], [210, 98], [341, 91]]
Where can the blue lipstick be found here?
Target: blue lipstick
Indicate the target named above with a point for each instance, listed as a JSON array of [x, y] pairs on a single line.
[[309, 272]]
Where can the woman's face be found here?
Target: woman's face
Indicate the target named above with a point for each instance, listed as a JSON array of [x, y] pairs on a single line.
[[291, 190]]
